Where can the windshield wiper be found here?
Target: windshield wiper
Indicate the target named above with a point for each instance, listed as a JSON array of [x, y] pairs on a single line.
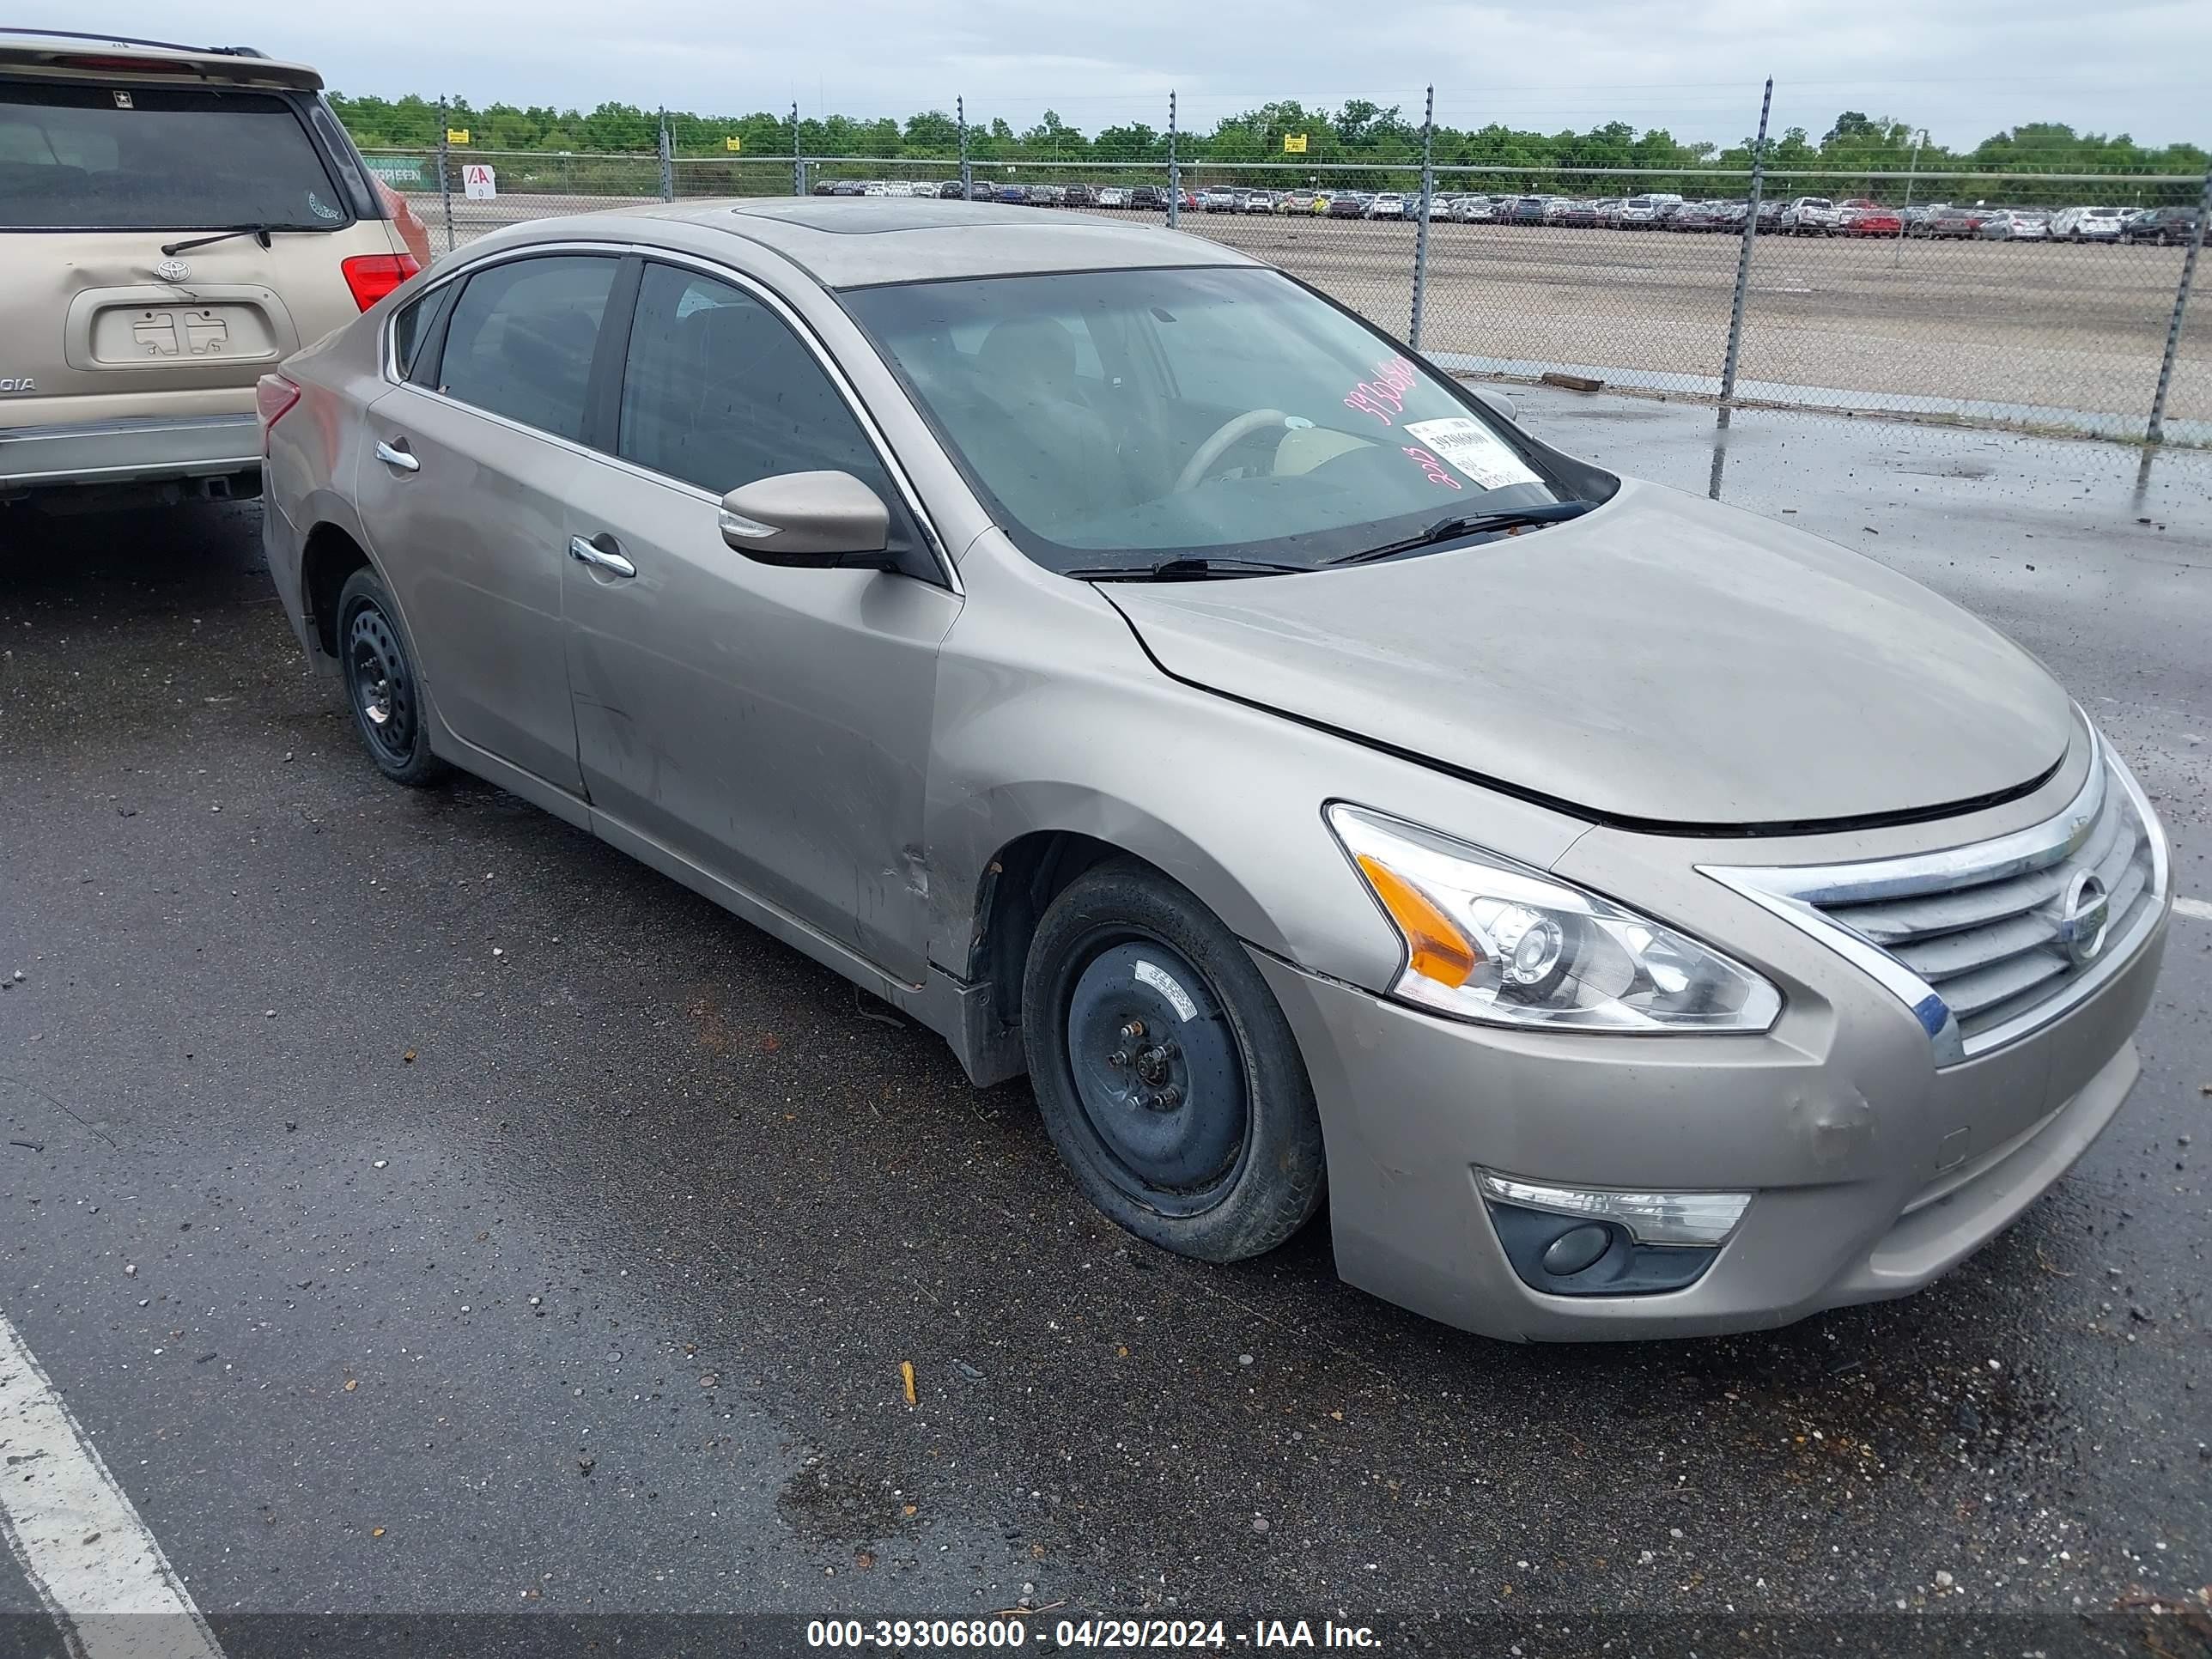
[[1471, 524], [1187, 570], [258, 232]]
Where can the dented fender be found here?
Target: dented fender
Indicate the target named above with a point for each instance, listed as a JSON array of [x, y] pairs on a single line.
[[1051, 716]]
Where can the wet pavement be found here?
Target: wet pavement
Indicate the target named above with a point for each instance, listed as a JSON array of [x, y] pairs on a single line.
[[423, 1209]]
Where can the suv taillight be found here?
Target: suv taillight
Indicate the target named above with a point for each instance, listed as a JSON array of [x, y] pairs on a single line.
[[273, 395], [372, 276]]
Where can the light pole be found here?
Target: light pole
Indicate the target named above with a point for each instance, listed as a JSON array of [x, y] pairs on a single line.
[[1897, 253]]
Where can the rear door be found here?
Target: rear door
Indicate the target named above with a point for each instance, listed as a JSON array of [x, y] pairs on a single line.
[[114, 302], [465, 499]]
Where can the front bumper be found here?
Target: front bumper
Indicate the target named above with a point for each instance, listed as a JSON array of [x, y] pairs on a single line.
[[1874, 1169], [129, 449]]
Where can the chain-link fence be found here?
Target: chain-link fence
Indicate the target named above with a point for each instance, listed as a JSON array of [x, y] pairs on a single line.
[[2034, 297]]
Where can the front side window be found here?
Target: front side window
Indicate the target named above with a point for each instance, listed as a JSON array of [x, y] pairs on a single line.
[[718, 391], [80, 157], [521, 339], [1118, 418]]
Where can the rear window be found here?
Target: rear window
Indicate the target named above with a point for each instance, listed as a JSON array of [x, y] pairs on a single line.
[[147, 158]]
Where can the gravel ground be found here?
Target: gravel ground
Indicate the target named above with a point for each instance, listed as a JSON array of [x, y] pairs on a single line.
[[426, 1210], [2053, 326], [2019, 331]]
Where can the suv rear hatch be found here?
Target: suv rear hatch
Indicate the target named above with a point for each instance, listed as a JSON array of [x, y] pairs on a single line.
[[132, 327]]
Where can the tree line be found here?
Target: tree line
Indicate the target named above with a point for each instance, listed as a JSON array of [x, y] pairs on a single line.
[[1358, 131]]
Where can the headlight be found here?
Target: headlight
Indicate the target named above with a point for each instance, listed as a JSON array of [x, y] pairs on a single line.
[[1491, 940]]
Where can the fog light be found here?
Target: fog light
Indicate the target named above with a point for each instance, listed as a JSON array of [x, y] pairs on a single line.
[[1662, 1218], [1576, 1248]]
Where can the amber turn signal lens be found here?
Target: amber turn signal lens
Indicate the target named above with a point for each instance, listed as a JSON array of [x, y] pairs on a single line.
[[1434, 948]]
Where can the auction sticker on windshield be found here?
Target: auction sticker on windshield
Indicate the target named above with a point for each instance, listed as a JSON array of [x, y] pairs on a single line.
[[1474, 449]]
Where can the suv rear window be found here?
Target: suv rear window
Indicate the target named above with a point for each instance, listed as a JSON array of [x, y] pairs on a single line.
[[149, 158]]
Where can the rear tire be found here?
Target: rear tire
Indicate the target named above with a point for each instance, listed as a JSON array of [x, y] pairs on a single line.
[[1166, 1074], [383, 691]]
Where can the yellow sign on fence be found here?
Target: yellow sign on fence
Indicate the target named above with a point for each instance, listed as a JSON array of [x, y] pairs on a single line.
[[457, 135], [733, 144], [1294, 143]]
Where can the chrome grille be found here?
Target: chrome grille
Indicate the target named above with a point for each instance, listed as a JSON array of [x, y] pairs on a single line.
[[1988, 942]]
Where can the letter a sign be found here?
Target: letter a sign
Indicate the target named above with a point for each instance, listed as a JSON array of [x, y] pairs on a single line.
[[478, 182]]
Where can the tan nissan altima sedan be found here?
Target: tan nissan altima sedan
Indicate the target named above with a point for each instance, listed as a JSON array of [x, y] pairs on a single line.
[[1643, 919]]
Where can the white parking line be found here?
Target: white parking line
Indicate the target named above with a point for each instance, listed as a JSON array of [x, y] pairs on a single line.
[[88, 1556], [2196, 907]]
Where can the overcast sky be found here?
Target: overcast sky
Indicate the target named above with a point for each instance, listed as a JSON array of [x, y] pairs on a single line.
[[1964, 68]]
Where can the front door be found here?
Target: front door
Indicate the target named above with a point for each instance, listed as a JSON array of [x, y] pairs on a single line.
[[464, 497], [768, 725]]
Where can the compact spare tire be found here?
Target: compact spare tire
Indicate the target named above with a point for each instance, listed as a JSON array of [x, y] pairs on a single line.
[[383, 690], [1168, 1078]]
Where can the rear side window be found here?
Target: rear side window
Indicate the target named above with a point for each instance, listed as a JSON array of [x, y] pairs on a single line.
[[718, 391], [76, 157], [522, 338], [407, 332]]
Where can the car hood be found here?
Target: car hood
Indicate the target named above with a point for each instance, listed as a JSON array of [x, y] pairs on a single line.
[[1661, 661]]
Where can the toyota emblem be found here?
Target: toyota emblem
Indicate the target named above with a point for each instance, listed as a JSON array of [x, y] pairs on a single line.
[[172, 270], [2083, 916]]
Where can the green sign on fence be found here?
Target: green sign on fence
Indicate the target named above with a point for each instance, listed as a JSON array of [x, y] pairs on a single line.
[[402, 171]]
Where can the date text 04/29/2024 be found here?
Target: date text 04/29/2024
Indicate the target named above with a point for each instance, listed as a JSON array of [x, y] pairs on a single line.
[[1131, 1633]]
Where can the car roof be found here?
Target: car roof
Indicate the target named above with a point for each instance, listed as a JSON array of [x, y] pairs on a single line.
[[859, 241], [109, 57]]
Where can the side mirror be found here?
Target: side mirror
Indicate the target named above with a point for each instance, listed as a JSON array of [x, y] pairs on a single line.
[[1497, 403], [820, 519]]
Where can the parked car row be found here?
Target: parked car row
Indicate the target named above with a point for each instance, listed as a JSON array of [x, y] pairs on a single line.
[[1939, 221], [1010, 192], [1802, 215]]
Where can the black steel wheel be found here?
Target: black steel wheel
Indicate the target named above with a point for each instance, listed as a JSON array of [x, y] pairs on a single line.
[[1167, 1076], [1157, 1071], [382, 690]]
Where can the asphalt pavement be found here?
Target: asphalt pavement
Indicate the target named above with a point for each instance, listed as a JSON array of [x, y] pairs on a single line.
[[423, 1209]]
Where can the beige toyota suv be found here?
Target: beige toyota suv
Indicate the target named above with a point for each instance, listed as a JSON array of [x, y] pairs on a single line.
[[175, 221]]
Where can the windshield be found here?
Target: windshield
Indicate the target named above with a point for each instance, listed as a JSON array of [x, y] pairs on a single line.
[[1119, 418], [75, 157]]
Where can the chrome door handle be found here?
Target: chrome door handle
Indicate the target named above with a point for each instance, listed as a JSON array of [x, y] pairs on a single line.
[[586, 552], [398, 457]]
